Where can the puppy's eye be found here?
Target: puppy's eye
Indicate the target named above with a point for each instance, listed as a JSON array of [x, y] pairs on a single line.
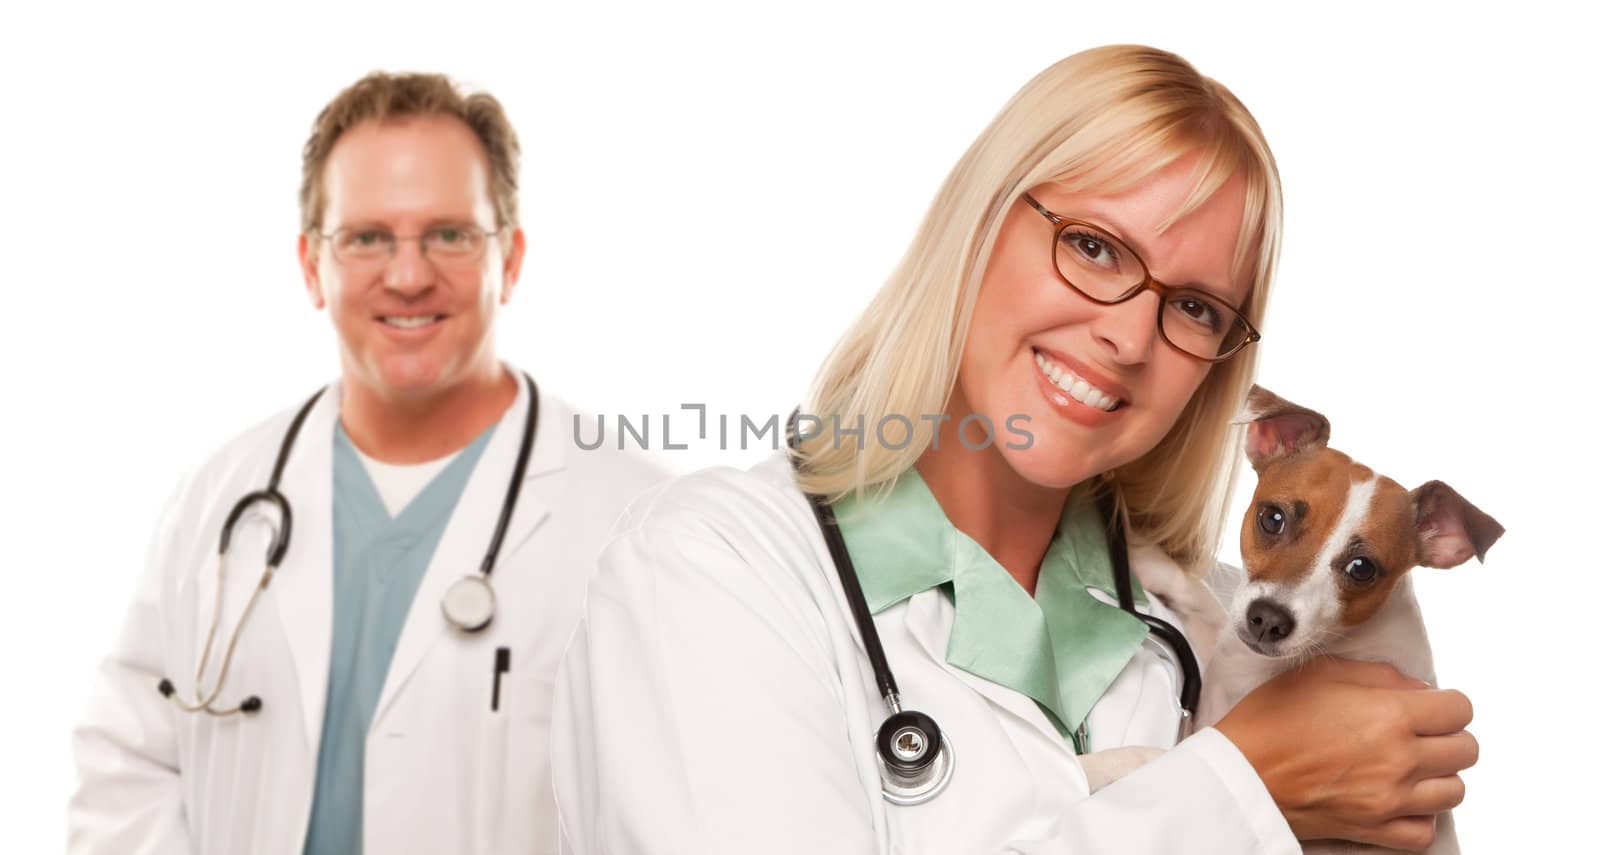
[[1271, 519], [1361, 570]]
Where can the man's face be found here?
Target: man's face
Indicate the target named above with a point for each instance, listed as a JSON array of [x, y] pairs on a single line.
[[411, 324]]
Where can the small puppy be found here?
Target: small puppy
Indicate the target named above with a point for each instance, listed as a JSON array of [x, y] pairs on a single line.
[[1327, 546]]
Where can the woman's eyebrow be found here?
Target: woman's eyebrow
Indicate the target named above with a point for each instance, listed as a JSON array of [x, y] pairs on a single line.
[[1101, 218]]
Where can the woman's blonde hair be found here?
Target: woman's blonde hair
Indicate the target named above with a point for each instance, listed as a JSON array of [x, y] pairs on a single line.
[[1099, 121]]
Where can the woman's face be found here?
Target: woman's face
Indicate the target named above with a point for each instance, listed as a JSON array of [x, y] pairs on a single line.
[[1024, 311]]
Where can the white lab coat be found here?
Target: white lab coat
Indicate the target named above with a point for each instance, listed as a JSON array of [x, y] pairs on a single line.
[[443, 772], [716, 698]]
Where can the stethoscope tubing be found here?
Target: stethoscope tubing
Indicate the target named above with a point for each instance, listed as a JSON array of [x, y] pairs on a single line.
[[508, 506], [280, 537], [275, 553], [850, 581], [1117, 541]]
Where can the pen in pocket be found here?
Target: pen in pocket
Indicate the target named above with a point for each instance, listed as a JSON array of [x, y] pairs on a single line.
[[502, 665]]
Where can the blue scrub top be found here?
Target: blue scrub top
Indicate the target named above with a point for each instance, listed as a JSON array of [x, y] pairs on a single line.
[[378, 562]]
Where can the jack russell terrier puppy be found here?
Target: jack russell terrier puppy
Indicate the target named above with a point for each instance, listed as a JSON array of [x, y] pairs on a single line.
[[1327, 544]]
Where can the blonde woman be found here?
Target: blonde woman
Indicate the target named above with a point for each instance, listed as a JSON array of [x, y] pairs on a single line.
[[1063, 344]]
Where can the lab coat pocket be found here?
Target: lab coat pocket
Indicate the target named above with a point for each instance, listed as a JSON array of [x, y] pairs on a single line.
[[491, 767], [514, 781]]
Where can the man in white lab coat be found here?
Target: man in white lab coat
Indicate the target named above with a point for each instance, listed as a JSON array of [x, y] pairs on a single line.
[[354, 703]]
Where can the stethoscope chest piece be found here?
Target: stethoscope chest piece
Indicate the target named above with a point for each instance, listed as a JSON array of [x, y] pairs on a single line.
[[468, 603], [914, 758]]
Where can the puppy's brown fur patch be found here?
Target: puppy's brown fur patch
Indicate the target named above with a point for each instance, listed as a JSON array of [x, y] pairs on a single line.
[[1311, 490]]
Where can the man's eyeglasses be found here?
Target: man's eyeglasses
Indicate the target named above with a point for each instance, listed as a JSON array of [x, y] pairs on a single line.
[[457, 244], [1093, 262]]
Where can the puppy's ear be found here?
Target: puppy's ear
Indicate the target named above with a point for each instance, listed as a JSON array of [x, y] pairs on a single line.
[[1449, 528], [1279, 428]]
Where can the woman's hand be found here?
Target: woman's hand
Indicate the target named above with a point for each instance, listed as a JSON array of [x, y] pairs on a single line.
[[1356, 750]]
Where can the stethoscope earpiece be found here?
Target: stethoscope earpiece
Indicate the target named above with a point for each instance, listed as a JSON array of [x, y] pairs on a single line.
[[914, 758], [251, 704]]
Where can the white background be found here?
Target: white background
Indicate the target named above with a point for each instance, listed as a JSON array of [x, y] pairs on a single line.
[[711, 193]]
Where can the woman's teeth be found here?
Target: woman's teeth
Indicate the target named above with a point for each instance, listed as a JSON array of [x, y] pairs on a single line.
[[1074, 386], [412, 322]]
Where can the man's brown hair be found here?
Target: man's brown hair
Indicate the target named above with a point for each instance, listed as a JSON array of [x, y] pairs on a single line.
[[380, 96]]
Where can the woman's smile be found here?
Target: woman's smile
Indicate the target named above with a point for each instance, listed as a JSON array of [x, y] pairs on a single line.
[[1074, 397], [1079, 382]]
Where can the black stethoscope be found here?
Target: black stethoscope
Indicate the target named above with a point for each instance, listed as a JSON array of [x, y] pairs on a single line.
[[914, 756], [468, 603]]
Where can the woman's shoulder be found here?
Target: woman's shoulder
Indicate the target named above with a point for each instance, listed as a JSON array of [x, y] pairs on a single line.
[[722, 547], [755, 517], [719, 501]]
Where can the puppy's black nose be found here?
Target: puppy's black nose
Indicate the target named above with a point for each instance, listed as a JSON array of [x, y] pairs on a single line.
[[1269, 622]]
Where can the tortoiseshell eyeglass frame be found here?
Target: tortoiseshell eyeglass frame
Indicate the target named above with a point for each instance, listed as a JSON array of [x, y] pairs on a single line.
[[1163, 290]]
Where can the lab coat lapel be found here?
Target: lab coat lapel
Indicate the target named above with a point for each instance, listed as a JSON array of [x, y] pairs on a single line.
[[303, 585], [930, 617], [466, 537]]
